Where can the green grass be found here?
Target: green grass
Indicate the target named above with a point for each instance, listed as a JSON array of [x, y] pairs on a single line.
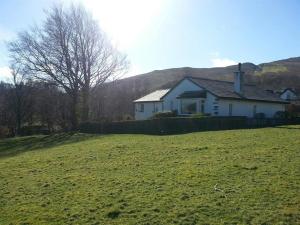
[[220, 177]]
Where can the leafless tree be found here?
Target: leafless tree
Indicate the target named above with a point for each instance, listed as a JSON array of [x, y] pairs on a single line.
[[70, 50], [18, 82]]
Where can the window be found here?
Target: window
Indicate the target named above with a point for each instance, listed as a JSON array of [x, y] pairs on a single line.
[[288, 96], [188, 106], [155, 109], [254, 110], [171, 105], [202, 106], [141, 109], [230, 109]]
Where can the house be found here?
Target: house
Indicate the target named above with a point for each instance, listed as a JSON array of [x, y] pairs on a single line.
[[194, 95], [293, 98]]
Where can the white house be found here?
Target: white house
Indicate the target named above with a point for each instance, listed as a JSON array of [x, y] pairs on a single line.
[[218, 98]]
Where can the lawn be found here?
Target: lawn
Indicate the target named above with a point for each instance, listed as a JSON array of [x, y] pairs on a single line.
[[218, 177]]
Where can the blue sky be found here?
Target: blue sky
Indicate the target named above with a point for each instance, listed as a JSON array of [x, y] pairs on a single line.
[[159, 34]]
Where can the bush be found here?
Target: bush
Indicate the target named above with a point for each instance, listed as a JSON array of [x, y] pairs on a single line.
[[200, 115], [5, 132], [32, 130], [281, 115], [259, 116], [165, 114], [285, 115]]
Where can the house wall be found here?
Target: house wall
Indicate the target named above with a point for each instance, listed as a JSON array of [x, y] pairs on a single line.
[[150, 108], [213, 105], [210, 103], [246, 108], [287, 93], [170, 99]]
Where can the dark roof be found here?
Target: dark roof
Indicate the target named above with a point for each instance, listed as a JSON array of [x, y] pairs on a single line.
[[193, 94], [225, 89]]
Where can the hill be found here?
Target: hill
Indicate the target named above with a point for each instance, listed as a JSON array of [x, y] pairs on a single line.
[[116, 99], [221, 177]]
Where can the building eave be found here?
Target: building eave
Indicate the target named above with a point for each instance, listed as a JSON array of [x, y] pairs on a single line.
[[254, 100], [147, 101]]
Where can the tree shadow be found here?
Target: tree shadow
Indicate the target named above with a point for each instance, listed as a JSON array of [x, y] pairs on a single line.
[[289, 127], [14, 146]]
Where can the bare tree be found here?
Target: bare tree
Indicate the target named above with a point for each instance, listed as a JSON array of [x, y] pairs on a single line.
[[18, 81], [71, 51]]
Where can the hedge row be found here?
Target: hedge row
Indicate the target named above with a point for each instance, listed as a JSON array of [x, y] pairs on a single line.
[[180, 125], [164, 125]]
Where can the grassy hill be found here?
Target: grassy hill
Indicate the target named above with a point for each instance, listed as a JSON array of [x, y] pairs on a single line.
[[116, 99], [221, 177]]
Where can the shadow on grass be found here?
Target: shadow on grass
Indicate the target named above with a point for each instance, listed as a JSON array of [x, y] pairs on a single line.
[[289, 127], [14, 146]]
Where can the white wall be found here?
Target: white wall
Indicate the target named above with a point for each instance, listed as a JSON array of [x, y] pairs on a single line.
[[245, 108], [150, 108], [213, 105], [210, 103], [184, 85]]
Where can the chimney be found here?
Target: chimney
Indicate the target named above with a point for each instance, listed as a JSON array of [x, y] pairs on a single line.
[[239, 80]]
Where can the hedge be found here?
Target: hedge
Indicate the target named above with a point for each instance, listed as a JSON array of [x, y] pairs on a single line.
[[164, 125], [179, 125]]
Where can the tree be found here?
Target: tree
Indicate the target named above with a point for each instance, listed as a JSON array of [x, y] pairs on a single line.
[[7, 116], [71, 51], [21, 98]]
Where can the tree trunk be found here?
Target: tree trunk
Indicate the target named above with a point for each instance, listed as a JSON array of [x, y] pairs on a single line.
[[74, 112], [19, 120], [85, 104], [18, 110]]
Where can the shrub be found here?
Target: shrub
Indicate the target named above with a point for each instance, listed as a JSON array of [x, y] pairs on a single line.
[[4, 132], [165, 114], [259, 116], [31, 130], [200, 115], [281, 115], [285, 115]]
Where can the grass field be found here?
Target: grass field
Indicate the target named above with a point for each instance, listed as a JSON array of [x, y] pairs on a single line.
[[220, 177]]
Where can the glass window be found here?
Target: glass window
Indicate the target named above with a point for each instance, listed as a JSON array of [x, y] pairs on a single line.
[[230, 109], [202, 106], [155, 108], [141, 107], [188, 106]]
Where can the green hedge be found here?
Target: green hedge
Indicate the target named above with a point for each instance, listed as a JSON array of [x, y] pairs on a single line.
[[166, 114], [166, 125]]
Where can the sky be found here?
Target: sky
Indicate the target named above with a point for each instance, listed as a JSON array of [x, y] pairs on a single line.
[[160, 34]]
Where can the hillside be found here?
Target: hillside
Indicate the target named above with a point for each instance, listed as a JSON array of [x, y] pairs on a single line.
[[221, 177], [117, 99]]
